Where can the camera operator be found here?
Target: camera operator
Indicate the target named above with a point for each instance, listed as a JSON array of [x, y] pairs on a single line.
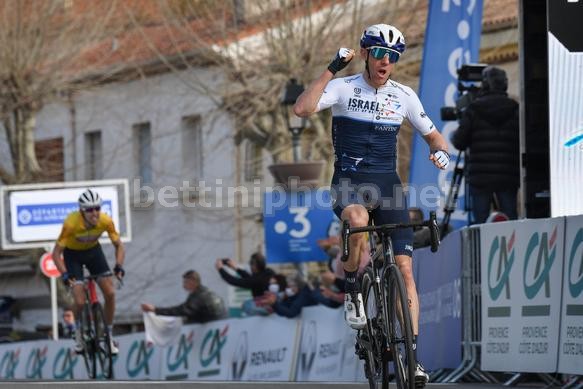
[[489, 129]]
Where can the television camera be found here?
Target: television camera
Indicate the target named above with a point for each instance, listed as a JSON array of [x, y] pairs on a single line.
[[468, 73]]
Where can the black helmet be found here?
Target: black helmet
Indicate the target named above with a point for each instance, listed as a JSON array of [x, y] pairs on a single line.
[[494, 79]]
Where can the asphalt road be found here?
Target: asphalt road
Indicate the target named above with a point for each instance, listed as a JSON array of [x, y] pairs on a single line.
[[214, 385]]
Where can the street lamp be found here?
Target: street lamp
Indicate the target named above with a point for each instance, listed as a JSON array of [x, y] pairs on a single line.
[[295, 124], [307, 172]]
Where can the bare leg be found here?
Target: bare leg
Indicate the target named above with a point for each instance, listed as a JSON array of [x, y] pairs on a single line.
[[79, 299], [405, 264], [357, 215], [106, 285]]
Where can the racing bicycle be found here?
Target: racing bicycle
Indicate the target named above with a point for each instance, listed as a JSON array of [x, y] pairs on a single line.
[[387, 338], [95, 335]]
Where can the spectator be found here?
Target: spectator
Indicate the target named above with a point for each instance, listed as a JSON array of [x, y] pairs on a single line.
[[68, 325], [201, 306], [257, 281], [329, 291], [489, 129], [297, 295], [263, 305]]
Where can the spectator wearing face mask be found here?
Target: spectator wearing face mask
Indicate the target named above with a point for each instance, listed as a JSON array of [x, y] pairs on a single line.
[[263, 305], [297, 295]]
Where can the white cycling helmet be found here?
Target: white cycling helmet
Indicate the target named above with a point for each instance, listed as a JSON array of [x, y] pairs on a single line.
[[383, 35], [89, 199]]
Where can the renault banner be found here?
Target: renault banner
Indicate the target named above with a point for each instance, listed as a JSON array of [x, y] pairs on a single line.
[[326, 351]]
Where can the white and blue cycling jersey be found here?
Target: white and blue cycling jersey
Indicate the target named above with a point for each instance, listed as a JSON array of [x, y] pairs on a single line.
[[366, 121]]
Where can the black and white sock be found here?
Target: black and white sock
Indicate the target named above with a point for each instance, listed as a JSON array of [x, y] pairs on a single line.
[[351, 285], [415, 347]]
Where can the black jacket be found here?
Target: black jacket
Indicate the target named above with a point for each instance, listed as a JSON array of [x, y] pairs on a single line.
[[201, 306], [292, 306], [257, 282], [489, 128]]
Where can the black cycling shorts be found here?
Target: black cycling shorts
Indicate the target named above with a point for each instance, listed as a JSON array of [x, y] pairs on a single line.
[[382, 193], [93, 259]]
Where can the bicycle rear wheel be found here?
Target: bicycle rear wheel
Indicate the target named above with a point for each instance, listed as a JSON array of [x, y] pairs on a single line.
[[88, 338], [102, 342], [400, 330], [372, 338]]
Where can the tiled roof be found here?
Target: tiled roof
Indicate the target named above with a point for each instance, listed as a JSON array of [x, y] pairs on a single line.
[[496, 14], [147, 44]]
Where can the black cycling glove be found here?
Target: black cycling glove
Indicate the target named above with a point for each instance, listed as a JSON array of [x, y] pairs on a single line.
[[119, 271], [338, 63], [66, 278]]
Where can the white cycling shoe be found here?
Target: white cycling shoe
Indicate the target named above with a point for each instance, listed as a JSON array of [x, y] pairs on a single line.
[[421, 376], [114, 349], [79, 347], [354, 311]]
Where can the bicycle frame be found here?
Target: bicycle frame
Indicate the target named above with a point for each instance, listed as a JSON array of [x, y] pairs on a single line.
[[91, 291], [386, 275], [96, 336]]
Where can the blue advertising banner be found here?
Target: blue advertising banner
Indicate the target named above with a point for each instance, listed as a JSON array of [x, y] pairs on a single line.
[[452, 38], [294, 222], [438, 278], [56, 213]]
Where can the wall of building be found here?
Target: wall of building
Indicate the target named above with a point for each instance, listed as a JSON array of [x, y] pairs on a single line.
[[172, 234]]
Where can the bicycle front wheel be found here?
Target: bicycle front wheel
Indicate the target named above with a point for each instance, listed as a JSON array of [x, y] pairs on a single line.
[[400, 329], [373, 339], [87, 336], [102, 342]]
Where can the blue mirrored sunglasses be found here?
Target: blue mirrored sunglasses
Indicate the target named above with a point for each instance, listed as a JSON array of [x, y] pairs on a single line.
[[381, 52]]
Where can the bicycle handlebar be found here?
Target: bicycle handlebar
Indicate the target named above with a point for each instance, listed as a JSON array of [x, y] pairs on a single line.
[[431, 223]]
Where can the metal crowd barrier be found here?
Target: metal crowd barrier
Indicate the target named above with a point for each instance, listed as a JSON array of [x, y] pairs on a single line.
[[469, 369]]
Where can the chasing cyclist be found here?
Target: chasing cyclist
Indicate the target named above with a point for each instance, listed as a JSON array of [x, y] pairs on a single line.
[[367, 112], [79, 245]]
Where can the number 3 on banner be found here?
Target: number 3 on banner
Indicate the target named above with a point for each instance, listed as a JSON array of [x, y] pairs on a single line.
[[300, 218]]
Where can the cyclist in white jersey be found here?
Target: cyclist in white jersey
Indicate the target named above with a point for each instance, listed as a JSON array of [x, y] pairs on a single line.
[[367, 112]]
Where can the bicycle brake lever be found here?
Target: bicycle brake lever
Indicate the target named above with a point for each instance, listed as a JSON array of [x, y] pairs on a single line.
[[434, 231]]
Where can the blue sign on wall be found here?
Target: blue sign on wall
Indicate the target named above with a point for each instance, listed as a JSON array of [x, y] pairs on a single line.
[[294, 222], [47, 214]]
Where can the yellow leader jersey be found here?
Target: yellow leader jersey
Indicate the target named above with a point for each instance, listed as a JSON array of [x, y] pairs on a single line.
[[76, 236]]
